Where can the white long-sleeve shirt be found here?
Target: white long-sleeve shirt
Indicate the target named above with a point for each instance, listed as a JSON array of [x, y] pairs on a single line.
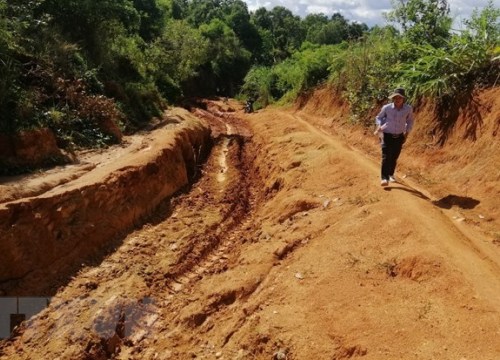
[[395, 121]]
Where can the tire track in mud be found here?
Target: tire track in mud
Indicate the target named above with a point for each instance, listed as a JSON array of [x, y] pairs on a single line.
[[213, 249], [210, 250], [206, 250], [198, 233], [197, 256]]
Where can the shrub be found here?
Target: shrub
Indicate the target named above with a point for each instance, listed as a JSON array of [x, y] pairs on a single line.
[[364, 71]]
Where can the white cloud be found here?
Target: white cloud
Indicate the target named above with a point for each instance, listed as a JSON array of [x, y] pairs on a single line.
[[369, 12]]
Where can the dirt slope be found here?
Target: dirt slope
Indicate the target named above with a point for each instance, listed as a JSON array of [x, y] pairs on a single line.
[[285, 248], [93, 204]]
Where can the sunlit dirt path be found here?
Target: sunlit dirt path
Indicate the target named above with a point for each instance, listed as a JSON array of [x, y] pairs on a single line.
[[286, 247]]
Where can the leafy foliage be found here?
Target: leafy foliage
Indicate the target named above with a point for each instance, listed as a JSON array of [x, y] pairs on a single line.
[[333, 31], [80, 119], [424, 56], [283, 31], [364, 70], [229, 61], [423, 21], [259, 83], [79, 66], [177, 55], [304, 70], [285, 81]]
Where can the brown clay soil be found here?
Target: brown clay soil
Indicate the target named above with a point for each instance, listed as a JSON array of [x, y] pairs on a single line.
[[269, 239]]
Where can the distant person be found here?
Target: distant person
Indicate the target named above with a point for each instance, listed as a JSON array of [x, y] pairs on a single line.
[[394, 123], [249, 105]]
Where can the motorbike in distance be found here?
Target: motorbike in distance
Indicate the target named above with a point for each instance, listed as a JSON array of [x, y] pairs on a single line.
[[249, 106]]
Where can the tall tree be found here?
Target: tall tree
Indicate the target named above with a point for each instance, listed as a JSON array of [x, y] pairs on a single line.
[[177, 55], [229, 61], [203, 11], [321, 30], [90, 23], [423, 21], [9, 67], [152, 18], [284, 29], [237, 17], [174, 9], [313, 25]]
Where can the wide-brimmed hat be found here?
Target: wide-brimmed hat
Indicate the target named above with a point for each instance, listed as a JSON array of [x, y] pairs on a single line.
[[398, 92]]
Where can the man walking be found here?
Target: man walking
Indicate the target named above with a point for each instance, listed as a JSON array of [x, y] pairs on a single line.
[[395, 121]]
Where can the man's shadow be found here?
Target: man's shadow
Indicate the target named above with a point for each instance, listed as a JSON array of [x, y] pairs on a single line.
[[463, 202], [446, 202], [409, 190]]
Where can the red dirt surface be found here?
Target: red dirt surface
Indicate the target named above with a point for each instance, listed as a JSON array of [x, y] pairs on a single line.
[[284, 245]]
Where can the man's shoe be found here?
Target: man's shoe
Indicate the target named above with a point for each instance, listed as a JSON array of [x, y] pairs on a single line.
[[392, 178], [384, 182]]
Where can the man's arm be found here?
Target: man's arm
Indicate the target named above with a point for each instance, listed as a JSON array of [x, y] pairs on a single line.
[[378, 121], [380, 117]]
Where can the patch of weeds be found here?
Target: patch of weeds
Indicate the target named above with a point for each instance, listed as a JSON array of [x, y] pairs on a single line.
[[361, 201], [352, 260], [389, 267], [422, 314], [496, 238]]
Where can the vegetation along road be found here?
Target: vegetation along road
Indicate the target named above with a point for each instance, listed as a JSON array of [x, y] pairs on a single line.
[[145, 215]]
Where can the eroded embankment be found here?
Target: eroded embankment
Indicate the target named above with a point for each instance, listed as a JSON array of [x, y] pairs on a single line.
[[113, 309], [43, 238]]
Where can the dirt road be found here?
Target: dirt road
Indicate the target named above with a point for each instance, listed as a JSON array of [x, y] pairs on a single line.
[[285, 248]]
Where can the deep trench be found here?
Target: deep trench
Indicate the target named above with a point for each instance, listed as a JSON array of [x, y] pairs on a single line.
[[45, 283], [17, 309]]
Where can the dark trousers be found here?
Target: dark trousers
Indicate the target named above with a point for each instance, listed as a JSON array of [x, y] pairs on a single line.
[[391, 148]]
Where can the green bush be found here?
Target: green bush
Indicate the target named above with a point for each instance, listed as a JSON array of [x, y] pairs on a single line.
[[285, 81], [143, 103], [468, 61], [259, 84], [363, 71]]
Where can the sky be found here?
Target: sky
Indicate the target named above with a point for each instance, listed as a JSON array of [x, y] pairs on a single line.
[[369, 12]]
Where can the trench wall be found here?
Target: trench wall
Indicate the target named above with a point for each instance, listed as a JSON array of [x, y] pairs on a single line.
[[42, 234]]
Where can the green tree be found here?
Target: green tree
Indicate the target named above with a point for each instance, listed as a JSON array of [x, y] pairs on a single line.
[[174, 9], [313, 24], [285, 31], [259, 83], [9, 69], [204, 11], [229, 61], [85, 21], [152, 18], [237, 17], [333, 33], [365, 70], [177, 57], [356, 30], [321, 30], [423, 21], [484, 26], [265, 54], [261, 18]]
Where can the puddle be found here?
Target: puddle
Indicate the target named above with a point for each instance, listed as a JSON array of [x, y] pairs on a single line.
[[222, 160]]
